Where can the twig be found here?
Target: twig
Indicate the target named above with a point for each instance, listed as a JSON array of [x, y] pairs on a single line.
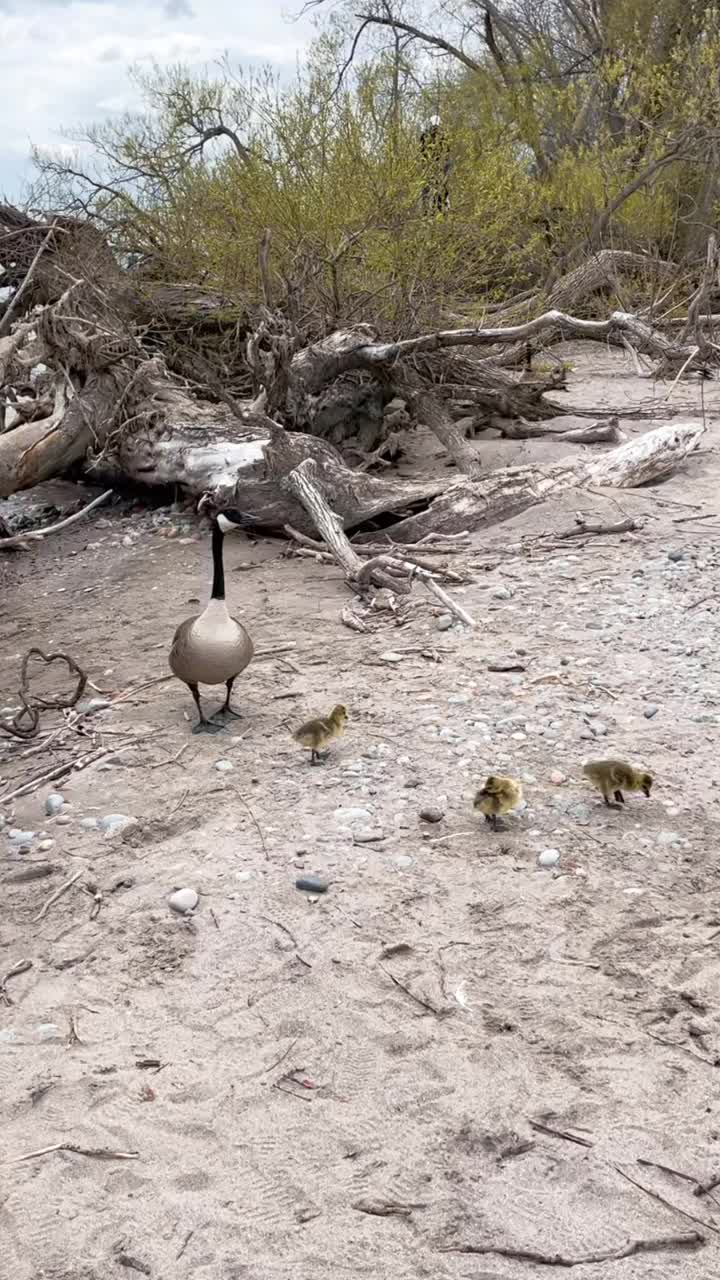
[[666, 1168], [184, 1244], [58, 894], [424, 1004], [582, 527], [12, 305], [256, 824], [688, 1241], [704, 1188], [171, 759], [95, 1153], [560, 1133], [22, 966], [20, 540], [60, 771], [655, 1195]]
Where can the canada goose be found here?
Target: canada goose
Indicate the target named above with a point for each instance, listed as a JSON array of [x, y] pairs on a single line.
[[213, 647], [319, 733], [498, 795], [612, 777]]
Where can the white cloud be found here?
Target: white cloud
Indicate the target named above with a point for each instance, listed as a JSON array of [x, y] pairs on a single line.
[[64, 62]]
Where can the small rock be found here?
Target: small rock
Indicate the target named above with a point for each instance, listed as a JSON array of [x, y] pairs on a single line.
[[127, 540], [444, 622], [54, 802], [353, 815], [63, 820], [19, 837], [183, 901], [430, 814], [112, 823], [7, 1036], [549, 857], [458, 699], [368, 835], [92, 705], [676, 556], [598, 729], [650, 711], [311, 884], [502, 593], [44, 845], [90, 824], [3, 820], [224, 766], [391, 657], [402, 861], [557, 778], [668, 837], [564, 662], [47, 1031]]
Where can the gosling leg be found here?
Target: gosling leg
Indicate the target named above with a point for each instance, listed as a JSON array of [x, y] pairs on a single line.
[[226, 712], [318, 757], [619, 797], [492, 819], [203, 725]]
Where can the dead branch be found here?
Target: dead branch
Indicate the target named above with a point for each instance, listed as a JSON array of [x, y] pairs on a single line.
[[10, 309], [95, 1153], [57, 894], [22, 966], [21, 540], [596, 433], [583, 526], [689, 1240], [31, 707]]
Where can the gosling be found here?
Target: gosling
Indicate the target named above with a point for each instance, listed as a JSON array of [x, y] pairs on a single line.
[[612, 777], [317, 734], [498, 796]]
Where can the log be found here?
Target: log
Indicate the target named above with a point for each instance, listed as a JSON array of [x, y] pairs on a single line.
[[499, 495]]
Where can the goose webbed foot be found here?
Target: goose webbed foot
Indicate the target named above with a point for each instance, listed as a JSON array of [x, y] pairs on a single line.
[[319, 757], [203, 725], [208, 726], [226, 712]]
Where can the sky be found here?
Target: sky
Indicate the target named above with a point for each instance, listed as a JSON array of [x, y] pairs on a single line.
[[64, 62]]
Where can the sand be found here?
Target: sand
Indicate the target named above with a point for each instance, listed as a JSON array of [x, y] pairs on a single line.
[[451, 1047]]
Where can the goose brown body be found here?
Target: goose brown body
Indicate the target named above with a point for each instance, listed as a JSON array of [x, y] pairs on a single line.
[[319, 733], [213, 647], [612, 777], [497, 796]]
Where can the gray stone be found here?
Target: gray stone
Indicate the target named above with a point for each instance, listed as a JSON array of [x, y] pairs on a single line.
[[429, 813], [391, 657], [311, 884], [93, 705], [353, 815], [676, 556], [47, 1031], [224, 766], [90, 824], [402, 861], [368, 835], [112, 823], [549, 858], [54, 802], [183, 901], [650, 711], [502, 593], [458, 699], [19, 837], [444, 622]]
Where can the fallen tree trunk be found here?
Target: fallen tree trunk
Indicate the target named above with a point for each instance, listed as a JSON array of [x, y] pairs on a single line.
[[467, 504]]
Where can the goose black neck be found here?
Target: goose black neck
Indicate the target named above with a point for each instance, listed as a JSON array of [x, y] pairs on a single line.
[[218, 584]]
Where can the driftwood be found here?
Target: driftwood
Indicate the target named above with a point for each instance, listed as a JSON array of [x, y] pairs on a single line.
[[469, 504]]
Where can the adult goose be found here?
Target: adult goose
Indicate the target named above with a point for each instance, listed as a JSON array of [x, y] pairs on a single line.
[[213, 647]]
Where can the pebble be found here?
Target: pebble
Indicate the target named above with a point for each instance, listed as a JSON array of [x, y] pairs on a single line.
[[20, 837], [444, 622], [549, 857], [502, 593], [63, 820], [676, 556], [54, 802], [368, 835], [430, 814], [402, 861], [311, 884], [112, 823], [391, 657], [458, 699], [224, 766], [183, 901], [90, 824], [668, 837], [353, 815], [557, 778], [44, 845], [3, 820], [47, 1031], [650, 711], [92, 705]]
